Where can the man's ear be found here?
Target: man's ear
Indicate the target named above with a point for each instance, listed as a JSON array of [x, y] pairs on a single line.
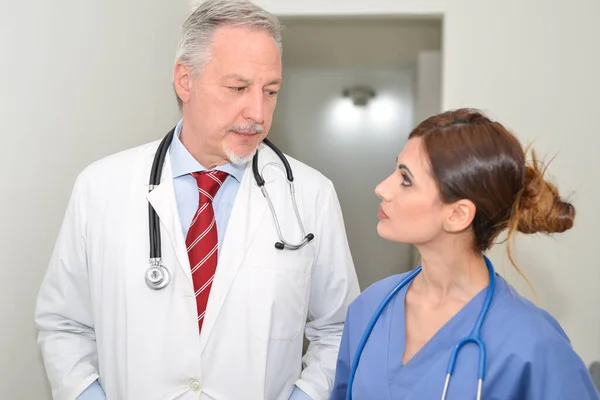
[[182, 81], [460, 216]]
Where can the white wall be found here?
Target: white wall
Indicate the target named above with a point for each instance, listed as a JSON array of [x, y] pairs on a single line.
[[428, 92], [534, 65], [350, 7], [78, 80]]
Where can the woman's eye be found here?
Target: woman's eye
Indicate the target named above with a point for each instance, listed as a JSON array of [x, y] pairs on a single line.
[[406, 180]]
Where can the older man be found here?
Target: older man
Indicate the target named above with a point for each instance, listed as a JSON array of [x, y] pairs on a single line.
[[226, 316]]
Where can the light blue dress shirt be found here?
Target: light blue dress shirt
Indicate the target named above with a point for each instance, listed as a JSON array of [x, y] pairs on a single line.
[[186, 187], [186, 195]]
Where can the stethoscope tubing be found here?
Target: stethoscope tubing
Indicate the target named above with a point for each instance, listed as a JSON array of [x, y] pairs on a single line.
[[473, 337], [157, 275]]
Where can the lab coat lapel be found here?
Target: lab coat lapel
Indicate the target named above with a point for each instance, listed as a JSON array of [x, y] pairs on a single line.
[[248, 211], [162, 199]]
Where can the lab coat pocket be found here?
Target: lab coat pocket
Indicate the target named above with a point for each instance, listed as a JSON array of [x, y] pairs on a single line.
[[278, 302]]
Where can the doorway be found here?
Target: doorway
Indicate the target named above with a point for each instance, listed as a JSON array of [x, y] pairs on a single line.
[[353, 90]]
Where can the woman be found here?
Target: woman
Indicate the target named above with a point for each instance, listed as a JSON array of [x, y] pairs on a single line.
[[460, 181]]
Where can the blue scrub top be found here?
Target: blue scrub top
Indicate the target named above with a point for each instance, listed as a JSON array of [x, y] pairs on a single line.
[[529, 356]]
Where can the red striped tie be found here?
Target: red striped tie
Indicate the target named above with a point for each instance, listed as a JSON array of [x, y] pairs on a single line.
[[202, 240]]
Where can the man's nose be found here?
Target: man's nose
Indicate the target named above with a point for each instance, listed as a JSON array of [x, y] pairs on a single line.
[[254, 109]]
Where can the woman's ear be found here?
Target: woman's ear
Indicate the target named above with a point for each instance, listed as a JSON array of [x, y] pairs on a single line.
[[460, 216]]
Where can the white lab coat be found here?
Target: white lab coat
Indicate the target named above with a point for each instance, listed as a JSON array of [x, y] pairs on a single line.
[[97, 317]]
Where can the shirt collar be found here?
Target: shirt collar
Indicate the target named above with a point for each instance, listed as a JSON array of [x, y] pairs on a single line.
[[183, 163]]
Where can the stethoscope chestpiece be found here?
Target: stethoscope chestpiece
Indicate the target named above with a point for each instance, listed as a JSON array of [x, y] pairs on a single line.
[[157, 275]]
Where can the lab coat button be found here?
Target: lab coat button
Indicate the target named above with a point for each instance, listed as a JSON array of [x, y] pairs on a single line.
[[195, 386]]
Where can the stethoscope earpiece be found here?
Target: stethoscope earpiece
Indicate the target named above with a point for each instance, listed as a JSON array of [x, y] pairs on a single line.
[[307, 238]]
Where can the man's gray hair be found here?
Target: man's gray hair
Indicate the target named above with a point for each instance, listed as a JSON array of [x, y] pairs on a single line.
[[198, 30]]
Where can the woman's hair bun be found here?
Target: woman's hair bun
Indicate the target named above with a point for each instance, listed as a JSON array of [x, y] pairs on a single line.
[[540, 207]]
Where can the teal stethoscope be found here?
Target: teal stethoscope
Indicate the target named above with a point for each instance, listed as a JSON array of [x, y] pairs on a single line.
[[474, 336]]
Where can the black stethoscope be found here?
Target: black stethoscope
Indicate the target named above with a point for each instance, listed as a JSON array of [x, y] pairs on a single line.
[[157, 275]]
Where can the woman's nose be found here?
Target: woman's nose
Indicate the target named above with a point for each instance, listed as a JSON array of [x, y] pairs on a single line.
[[382, 190], [379, 190]]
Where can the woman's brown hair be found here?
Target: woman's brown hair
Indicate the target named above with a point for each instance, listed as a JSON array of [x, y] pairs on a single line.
[[474, 158]]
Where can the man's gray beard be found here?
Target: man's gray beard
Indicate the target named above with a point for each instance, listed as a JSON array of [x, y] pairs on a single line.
[[238, 159]]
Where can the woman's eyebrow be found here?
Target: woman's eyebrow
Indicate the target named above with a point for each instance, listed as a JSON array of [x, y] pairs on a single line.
[[405, 168]]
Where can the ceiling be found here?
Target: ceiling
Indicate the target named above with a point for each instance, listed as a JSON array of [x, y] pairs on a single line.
[[383, 43]]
